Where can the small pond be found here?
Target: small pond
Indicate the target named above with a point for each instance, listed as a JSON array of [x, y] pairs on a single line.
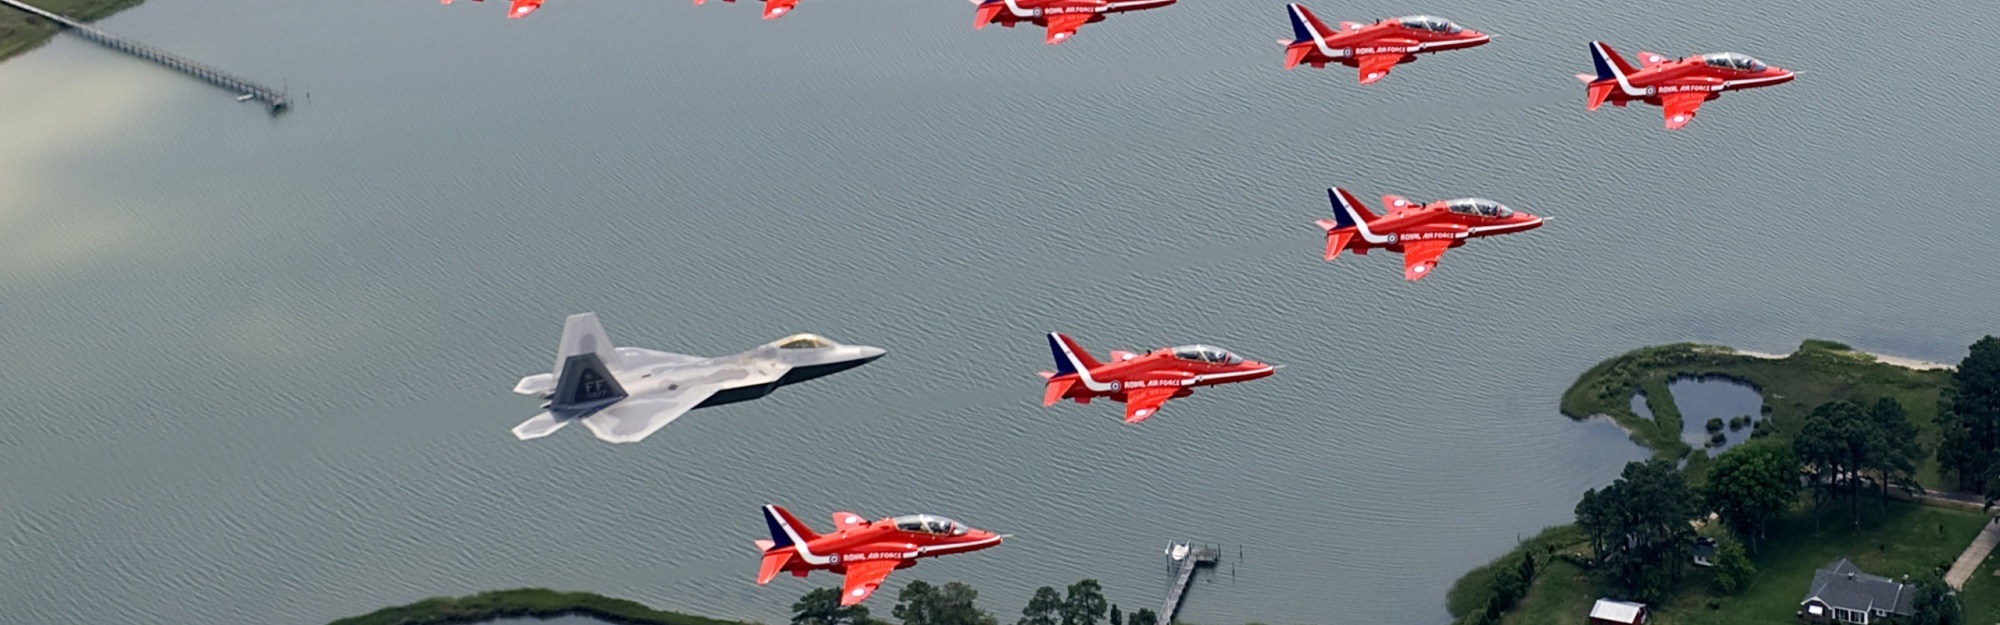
[[1701, 399]]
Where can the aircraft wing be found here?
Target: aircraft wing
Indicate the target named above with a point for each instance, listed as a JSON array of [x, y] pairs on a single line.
[[1679, 107], [1375, 67], [863, 578], [1420, 257], [1144, 402], [522, 8], [774, 9], [1062, 26], [633, 420]]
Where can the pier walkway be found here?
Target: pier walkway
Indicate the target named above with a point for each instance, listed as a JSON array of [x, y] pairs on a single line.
[[273, 98], [1186, 559]]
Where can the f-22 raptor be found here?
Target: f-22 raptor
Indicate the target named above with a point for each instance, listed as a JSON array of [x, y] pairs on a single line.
[[624, 394]]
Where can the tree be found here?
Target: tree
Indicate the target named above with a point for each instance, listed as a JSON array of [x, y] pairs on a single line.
[[822, 607], [1143, 616], [1897, 453], [1838, 442], [1969, 416], [923, 604], [1085, 605], [1935, 604], [1640, 526], [1046, 608], [1752, 484], [1117, 618], [1733, 570]]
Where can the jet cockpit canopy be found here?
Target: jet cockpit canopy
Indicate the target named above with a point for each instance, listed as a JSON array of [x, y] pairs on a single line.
[[1732, 60], [803, 341], [1206, 353], [928, 524], [1479, 207], [1431, 23]]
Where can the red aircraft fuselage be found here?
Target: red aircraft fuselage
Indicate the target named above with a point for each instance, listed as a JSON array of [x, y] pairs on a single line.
[[1677, 86], [862, 551], [1420, 232], [1061, 17], [1372, 48], [773, 9], [518, 10], [1142, 381]]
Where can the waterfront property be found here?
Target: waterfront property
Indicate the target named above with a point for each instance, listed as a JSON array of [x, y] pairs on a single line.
[[1841, 593]]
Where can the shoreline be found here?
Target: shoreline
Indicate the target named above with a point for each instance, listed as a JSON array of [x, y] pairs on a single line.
[[20, 32], [1906, 363]]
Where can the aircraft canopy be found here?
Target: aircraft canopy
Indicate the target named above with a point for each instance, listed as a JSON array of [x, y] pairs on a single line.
[[1206, 353], [928, 524], [1732, 60], [1476, 206], [804, 341], [1431, 23]]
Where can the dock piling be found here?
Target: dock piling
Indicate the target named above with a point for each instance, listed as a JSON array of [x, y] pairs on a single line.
[[273, 98]]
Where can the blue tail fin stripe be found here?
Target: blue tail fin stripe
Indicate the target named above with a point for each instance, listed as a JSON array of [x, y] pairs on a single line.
[[1062, 361], [778, 534], [1340, 214], [1603, 64], [1300, 32]]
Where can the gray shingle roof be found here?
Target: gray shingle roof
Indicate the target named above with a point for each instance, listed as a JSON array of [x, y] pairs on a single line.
[[1843, 585]]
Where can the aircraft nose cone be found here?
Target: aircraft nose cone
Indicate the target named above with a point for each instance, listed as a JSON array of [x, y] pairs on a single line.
[[869, 354]]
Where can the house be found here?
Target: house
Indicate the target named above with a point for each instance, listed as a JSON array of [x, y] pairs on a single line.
[[1841, 593], [1615, 612], [1704, 550]]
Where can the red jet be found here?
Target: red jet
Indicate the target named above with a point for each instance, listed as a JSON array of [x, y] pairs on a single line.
[[1142, 381], [1677, 86], [520, 9], [865, 552], [1062, 17], [1374, 48], [773, 9], [1420, 232]]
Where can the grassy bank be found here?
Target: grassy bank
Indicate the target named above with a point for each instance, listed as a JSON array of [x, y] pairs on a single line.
[[1817, 373], [525, 602], [1904, 538], [20, 32]]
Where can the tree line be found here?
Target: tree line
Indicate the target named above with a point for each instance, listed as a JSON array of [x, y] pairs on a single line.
[[1640, 527], [954, 603]]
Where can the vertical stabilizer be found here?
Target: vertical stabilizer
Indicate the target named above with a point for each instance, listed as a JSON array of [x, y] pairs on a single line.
[[585, 360]]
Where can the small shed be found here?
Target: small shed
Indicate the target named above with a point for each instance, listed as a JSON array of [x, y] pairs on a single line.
[[1615, 612]]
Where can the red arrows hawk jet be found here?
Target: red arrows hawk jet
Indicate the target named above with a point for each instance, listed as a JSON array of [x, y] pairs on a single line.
[[1142, 381], [773, 9], [1677, 86], [1062, 17], [865, 552], [1373, 48], [520, 9], [1420, 232]]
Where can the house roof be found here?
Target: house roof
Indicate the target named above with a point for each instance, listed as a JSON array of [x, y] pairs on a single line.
[[1616, 611], [1843, 585]]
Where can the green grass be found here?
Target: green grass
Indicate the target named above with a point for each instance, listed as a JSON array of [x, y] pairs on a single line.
[[525, 602], [20, 32], [1471, 590], [1981, 595], [1819, 372]]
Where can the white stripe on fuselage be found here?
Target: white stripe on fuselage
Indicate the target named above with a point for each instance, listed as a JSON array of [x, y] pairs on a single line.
[[1082, 372], [1107, 8], [1360, 224], [1477, 230], [1616, 73], [1319, 40]]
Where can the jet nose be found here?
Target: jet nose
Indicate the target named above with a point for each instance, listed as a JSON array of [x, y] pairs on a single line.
[[865, 353]]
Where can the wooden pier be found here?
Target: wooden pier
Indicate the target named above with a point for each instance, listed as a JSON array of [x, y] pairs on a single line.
[[1185, 558], [273, 98]]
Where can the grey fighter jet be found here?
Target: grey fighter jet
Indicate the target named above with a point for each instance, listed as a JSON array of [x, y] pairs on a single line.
[[624, 394]]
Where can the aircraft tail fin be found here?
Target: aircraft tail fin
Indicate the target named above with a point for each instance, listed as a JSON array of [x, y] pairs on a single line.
[[1347, 211], [1609, 65], [1070, 357], [584, 359], [786, 530], [1305, 27]]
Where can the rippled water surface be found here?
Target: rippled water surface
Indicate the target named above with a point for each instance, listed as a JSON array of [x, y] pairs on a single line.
[[259, 367]]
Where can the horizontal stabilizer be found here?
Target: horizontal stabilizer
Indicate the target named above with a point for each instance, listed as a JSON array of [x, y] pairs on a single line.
[[1337, 241], [538, 384], [539, 426], [772, 564], [1056, 389]]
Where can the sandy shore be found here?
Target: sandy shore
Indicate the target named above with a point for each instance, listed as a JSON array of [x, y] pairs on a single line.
[[1908, 363]]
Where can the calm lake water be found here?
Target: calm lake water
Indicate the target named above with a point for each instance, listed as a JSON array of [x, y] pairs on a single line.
[[260, 366], [1702, 399]]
